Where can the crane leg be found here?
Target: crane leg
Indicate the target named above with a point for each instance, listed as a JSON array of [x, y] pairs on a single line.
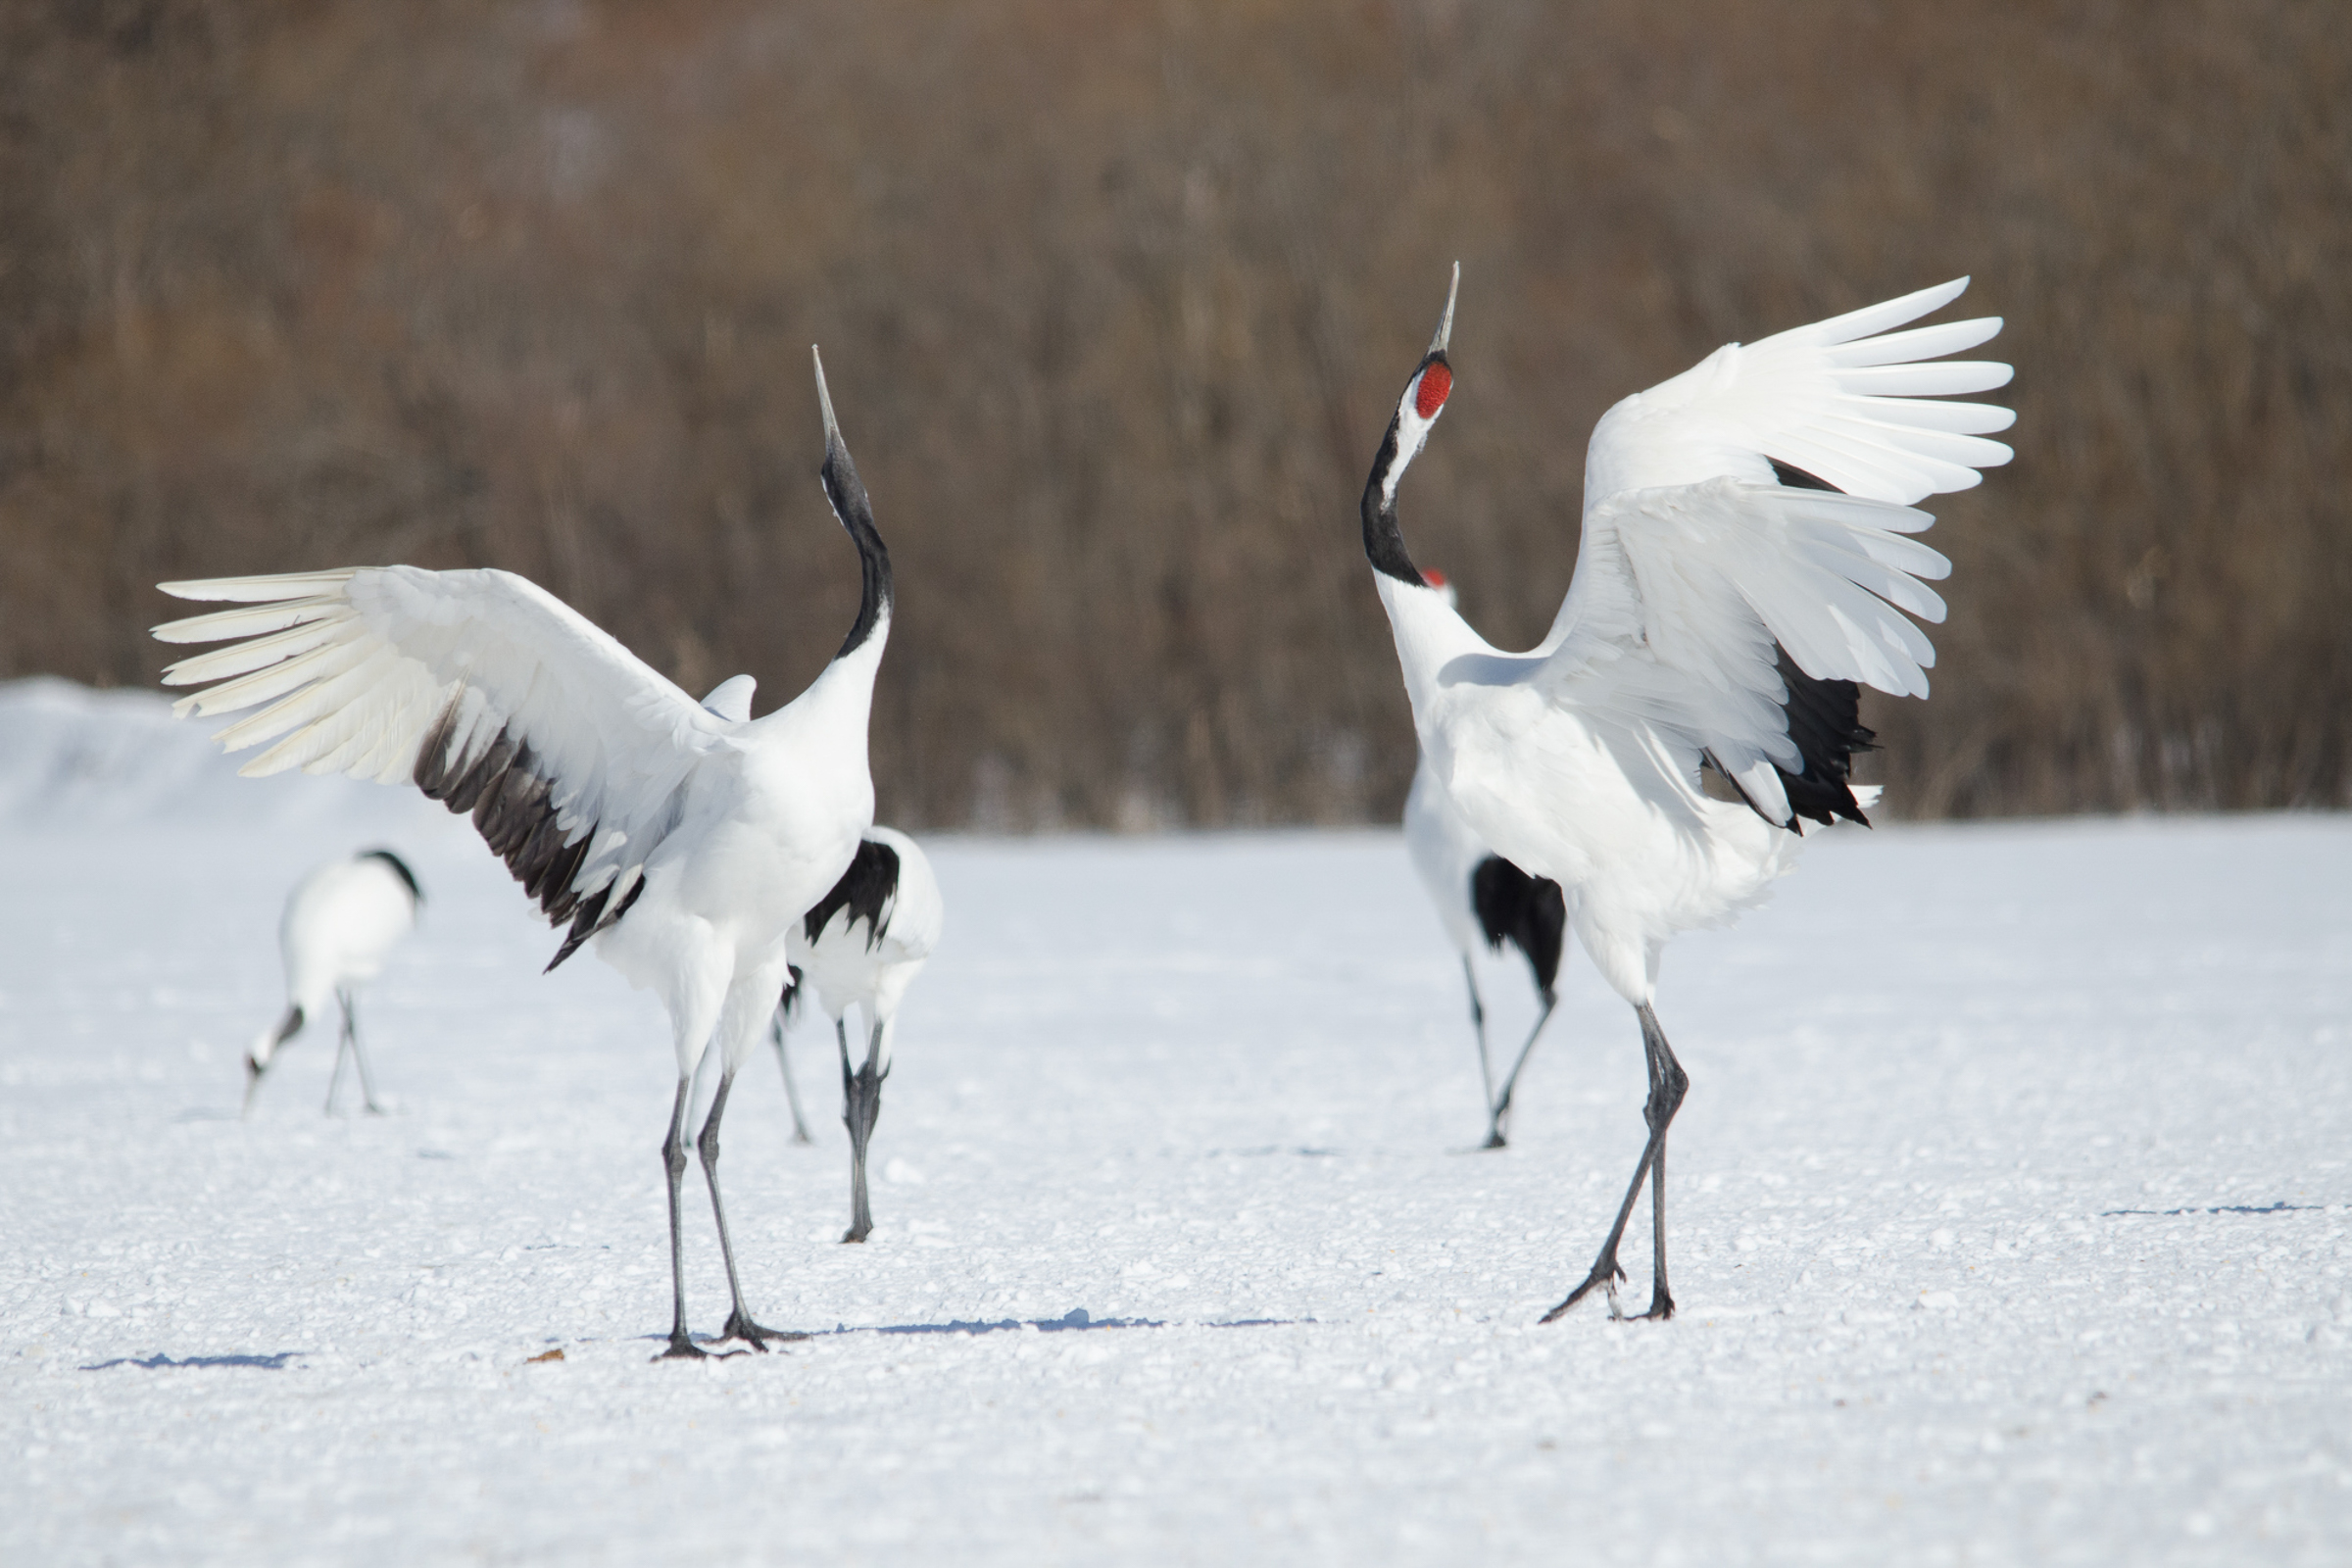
[[334, 1079], [359, 1057], [792, 1091], [1486, 1068], [1667, 1085], [673, 1165], [739, 1324], [1498, 1129], [861, 1107]]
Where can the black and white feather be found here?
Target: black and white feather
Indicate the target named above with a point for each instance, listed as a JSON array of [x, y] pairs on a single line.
[[1745, 565], [685, 840], [341, 921], [860, 947]]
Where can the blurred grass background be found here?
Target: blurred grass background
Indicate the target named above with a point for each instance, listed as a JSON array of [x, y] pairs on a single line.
[[1116, 299]]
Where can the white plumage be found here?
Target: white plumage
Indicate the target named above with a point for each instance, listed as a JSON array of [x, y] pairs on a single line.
[[1482, 900], [683, 841], [861, 946], [340, 922], [1744, 556]]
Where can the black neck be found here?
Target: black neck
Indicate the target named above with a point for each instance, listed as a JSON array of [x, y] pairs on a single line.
[[1384, 541], [847, 492]]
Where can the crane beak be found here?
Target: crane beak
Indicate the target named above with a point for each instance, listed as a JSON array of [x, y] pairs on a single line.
[[1436, 345], [824, 398], [253, 1082]]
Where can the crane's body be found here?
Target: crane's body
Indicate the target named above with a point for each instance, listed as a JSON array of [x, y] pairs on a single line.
[[861, 946], [683, 841], [1646, 851], [1744, 555], [340, 922], [1482, 900]]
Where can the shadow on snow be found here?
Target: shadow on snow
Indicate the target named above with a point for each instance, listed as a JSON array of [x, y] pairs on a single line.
[[273, 1362], [2280, 1206]]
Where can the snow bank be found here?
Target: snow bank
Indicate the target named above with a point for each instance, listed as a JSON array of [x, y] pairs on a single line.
[[73, 755]]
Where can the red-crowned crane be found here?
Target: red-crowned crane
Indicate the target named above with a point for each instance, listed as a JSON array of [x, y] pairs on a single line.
[[682, 843], [890, 891], [1482, 900], [340, 922], [1744, 560]]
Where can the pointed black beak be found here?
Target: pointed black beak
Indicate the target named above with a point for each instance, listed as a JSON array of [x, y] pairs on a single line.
[[824, 400], [1444, 335]]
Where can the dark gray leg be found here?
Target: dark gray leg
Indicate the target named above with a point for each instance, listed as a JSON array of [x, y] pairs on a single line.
[[1486, 1068], [792, 1092], [1499, 1128], [359, 1057], [1667, 1085], [1661, 1299], [738, 1321], [861, 1107], [334, 1080], [673, 1164]]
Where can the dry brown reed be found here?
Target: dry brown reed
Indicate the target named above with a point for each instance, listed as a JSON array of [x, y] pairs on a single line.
[[1114, 298]]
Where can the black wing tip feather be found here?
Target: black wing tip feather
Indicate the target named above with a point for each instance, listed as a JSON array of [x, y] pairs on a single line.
[[512, 803], [865, 890], [591, 919], [1529, 912], [1825, 720], [1823, 717], [1797, 479]]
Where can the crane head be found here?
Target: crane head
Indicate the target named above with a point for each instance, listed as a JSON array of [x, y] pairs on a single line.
[[1417, 410], [1424, 396], [856, 513]]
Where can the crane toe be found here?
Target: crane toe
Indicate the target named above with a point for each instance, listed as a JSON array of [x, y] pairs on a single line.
[[741, 1326]]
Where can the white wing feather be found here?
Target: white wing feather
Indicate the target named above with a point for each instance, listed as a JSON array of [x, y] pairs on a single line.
[[360, 668], [1830, 398], [1695, 560]]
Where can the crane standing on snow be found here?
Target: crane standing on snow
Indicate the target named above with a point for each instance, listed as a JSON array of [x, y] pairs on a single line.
[[684, 844], [889, 888], [1481, 897], [1742, 561], [340, 922]]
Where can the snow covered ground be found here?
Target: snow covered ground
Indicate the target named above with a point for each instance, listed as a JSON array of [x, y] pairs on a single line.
[[2010, 1215]]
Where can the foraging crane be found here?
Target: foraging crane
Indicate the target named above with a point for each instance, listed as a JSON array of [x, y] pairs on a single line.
[[681, 842], [1744, 558], [890, 888], [340, 922]]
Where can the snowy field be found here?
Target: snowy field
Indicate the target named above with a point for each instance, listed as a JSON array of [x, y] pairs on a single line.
[[2010, 1215]]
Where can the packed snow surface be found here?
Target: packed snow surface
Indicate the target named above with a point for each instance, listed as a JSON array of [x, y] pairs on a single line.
[[2008, 1212]]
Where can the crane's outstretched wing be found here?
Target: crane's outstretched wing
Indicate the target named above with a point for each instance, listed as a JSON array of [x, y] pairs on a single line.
[[487, 692], [1744, 557]]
